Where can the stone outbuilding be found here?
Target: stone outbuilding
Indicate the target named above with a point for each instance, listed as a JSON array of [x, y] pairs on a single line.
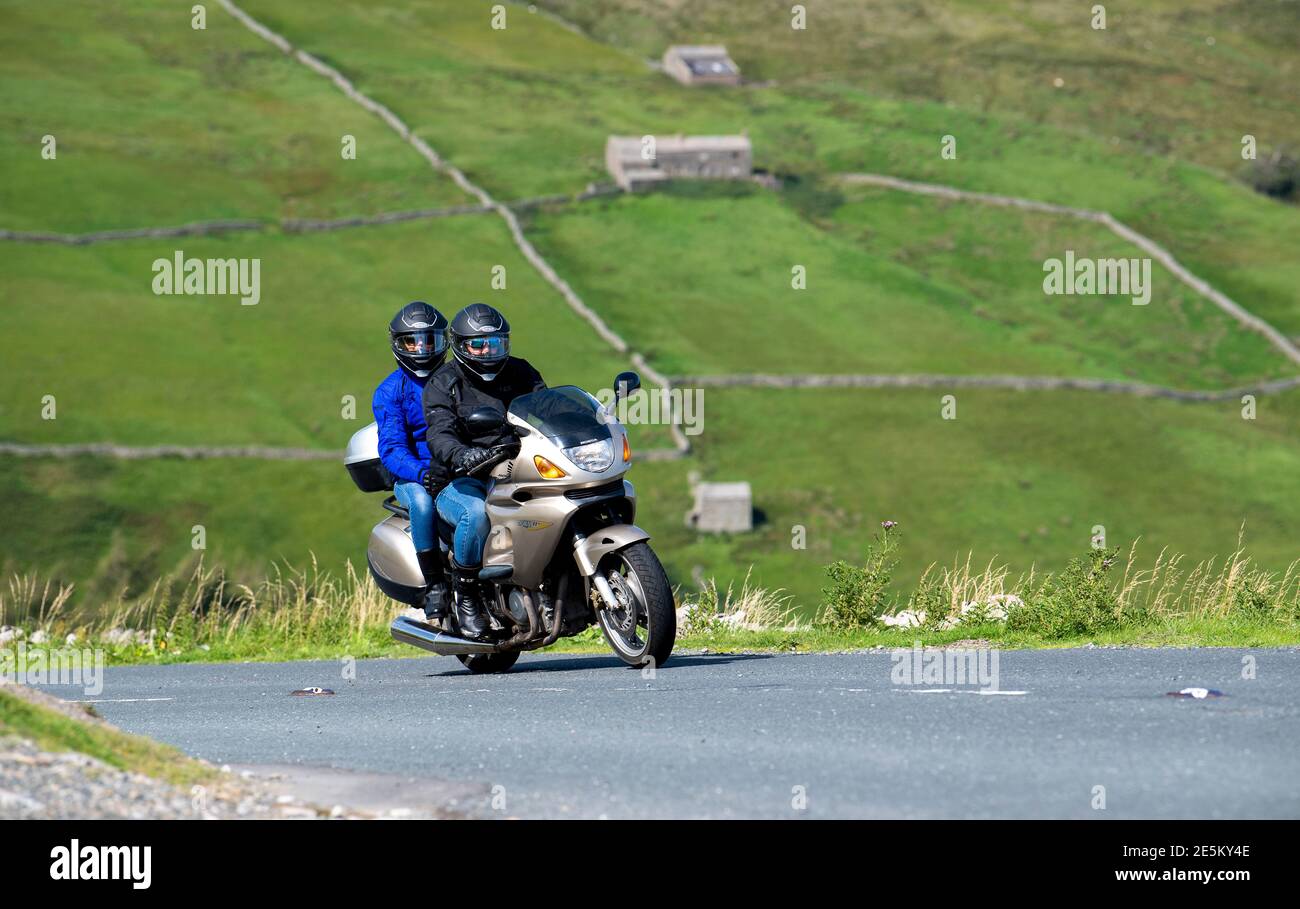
[[722, 508], [641, 162], [701, 64]]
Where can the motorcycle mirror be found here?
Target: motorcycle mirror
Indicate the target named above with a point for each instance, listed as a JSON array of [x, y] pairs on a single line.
[[485, 420], [625, 383]]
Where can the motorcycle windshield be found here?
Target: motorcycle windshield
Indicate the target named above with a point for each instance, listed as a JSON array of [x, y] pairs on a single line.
[[566, 415]]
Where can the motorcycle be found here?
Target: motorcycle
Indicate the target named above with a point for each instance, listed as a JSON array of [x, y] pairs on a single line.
[[562, 553]]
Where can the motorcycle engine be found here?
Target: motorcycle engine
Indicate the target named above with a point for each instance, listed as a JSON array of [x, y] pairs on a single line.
[[515, 605]]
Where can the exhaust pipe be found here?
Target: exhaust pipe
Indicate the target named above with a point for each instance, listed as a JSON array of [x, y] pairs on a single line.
[[409, 631]]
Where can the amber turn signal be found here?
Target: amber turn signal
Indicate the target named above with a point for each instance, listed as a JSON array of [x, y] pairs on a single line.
[[627, 449], [548, 470]]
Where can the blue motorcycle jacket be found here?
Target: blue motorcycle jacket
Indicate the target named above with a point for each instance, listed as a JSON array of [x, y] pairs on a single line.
[[399, 411]]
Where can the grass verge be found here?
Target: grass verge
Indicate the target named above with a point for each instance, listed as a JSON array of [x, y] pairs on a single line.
[[1099, 599], [59, 728]]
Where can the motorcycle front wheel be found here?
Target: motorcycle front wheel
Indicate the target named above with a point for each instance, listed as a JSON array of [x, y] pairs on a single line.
[[642, 628]]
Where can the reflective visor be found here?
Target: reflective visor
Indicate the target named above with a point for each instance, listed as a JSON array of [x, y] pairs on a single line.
[[487, 348], [420, 343]]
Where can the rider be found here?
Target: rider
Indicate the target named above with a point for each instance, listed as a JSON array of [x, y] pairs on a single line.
[[482, 374], [418, 337]]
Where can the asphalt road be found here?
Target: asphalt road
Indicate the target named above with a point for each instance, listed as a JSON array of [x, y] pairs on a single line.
[[753, 735]]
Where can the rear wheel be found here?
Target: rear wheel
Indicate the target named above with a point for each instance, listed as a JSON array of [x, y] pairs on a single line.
[[642, 628], [480, 663]]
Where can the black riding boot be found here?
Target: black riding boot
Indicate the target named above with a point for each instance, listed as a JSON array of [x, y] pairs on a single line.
[[438, 598], [469, 612]]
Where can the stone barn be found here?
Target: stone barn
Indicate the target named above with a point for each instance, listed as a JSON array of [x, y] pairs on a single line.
[[701, 64], [722, 508], [637, 164]]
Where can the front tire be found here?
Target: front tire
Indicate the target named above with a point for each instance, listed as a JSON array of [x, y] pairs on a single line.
[[483, 663], [643, 630]]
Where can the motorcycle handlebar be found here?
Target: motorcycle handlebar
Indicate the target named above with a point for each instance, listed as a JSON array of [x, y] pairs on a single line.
[[499, 453]]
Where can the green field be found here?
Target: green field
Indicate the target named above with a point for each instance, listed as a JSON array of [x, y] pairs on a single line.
[[1022, 477], [160, 124], [526, 110], [1179, 78], [208, 370], [895, 284]]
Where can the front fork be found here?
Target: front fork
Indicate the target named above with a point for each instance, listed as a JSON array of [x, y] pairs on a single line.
[[595, 579]]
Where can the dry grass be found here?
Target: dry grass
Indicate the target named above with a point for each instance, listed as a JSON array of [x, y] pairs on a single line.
[[1232, 589], [289, 609], [946, 594], [32, 602], [752, 608], [294, 613], [1210, 589]]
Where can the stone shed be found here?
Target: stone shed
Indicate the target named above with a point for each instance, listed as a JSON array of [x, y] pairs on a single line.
[[637, 164], [701, 64], [722, 508]]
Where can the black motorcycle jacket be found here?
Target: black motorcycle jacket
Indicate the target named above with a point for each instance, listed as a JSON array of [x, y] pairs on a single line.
[[453, 393]]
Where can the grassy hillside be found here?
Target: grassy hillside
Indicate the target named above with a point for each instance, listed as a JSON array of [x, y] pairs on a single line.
[[157, 123], [1020, 476], [206, 370], [161, 124], [1178, 78], [526, 110], [895, 284]]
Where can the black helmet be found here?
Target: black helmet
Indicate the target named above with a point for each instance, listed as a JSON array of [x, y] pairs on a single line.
[[480, 339], [419, 335]]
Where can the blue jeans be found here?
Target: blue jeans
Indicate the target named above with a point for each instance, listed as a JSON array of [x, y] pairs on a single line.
[[416, 499], [461, 504]]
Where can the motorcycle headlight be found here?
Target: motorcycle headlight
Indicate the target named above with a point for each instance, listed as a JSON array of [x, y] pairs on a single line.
[[594, 456]]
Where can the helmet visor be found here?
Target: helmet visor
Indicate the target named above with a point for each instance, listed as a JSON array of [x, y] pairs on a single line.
[[485, 348], [420, 345]]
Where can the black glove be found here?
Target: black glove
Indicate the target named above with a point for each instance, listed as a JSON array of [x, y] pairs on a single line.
[[433, 485], [467, 459]]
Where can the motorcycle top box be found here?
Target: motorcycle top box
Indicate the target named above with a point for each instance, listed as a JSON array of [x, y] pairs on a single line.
[[562, 552], [362, 461]]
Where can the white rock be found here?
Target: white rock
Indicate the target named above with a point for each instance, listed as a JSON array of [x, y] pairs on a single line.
[[995, 608], [123, 636]]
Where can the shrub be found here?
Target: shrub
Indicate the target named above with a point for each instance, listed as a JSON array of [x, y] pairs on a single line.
[[1078, 601], [856, 596], [1277, 175]]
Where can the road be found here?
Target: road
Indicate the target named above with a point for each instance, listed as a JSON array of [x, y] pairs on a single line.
[[756, 735]]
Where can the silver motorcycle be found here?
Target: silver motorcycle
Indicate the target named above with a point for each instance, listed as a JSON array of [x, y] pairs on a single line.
[[562, 553]]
